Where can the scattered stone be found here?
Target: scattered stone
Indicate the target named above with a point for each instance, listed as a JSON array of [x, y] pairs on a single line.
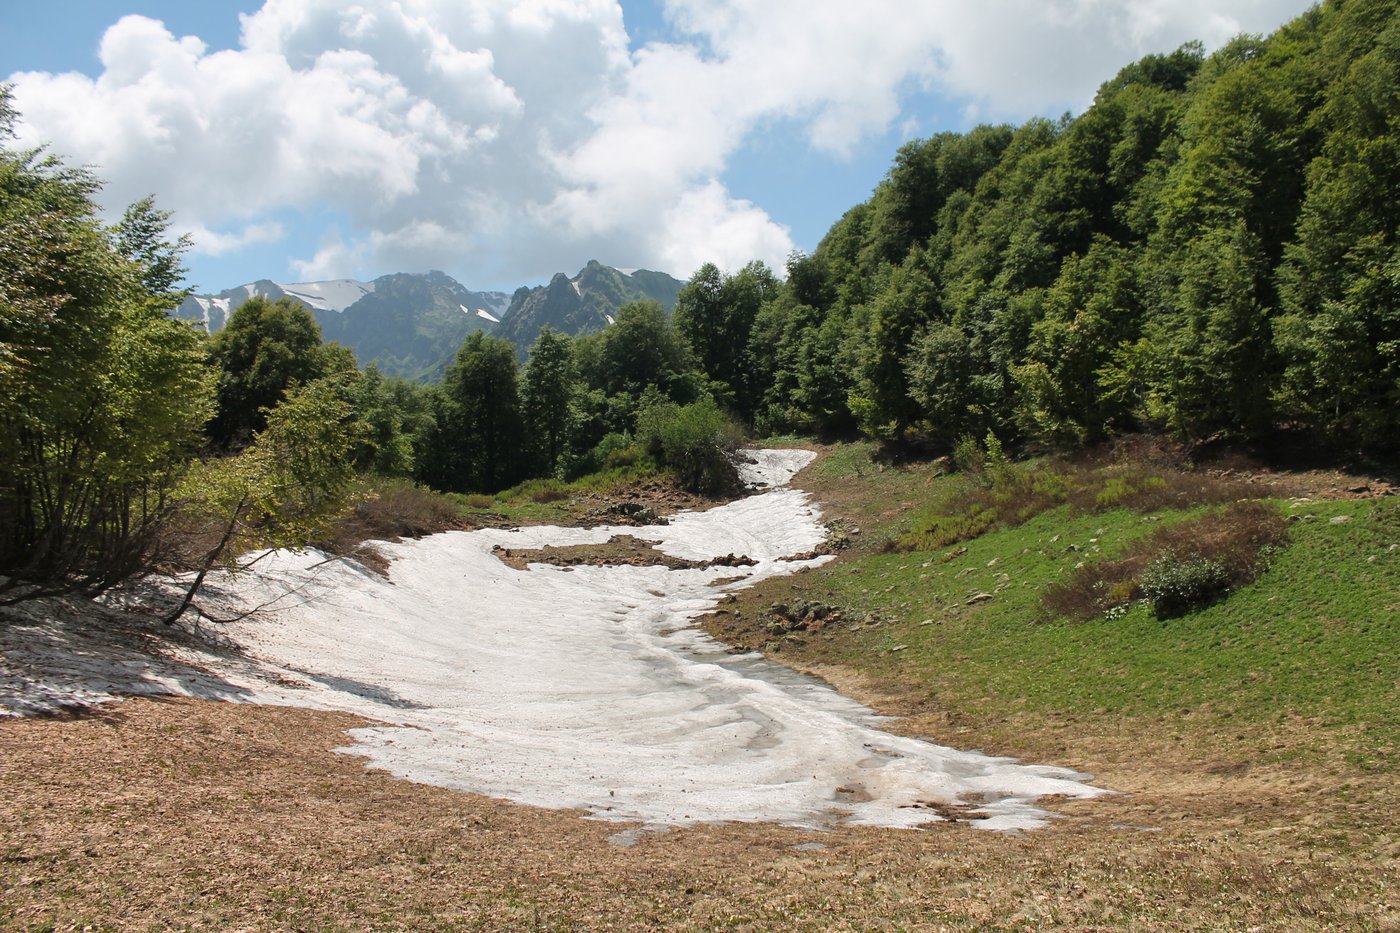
[[839, 532], [955, 552], [1339, 519], [977, 598], [965, 571], [805, 616]]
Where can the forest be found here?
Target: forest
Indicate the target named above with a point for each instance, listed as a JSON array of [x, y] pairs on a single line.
[[1208, 251]]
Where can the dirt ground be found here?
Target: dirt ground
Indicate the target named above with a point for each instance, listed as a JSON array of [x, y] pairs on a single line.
[[180, 814]]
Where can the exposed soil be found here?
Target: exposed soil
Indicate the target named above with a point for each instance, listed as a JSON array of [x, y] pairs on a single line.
[[197, 815], [619, 550]]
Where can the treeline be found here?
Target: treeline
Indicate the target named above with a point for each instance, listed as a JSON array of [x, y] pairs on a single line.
[[1210, 249], [578, 405]]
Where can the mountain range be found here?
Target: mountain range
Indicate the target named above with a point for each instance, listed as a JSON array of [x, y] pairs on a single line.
[[411, 324]]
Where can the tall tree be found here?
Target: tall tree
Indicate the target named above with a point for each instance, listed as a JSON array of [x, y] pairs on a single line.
[[547, 399], [482, 427], [264, 348]]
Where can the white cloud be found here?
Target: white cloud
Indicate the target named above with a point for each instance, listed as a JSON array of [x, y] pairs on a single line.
[[336, 259], [213, 243], [507, 139]]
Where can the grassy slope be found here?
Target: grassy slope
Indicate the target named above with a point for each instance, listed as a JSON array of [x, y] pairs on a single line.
[[1277, 709]]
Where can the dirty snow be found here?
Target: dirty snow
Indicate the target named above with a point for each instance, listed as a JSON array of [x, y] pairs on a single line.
[[578, 687]]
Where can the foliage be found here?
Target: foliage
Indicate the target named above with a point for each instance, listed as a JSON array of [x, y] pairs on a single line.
[[547, 393], [697, 441], [1173, 585], [394, 413], [478, 430], [102, 395], [282, 491], [715, 314], [1209, 249], [641, 349], [265, 348]]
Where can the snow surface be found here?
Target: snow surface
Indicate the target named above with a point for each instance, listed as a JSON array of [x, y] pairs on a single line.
[[559, 687], [335, 295], [482, 313]]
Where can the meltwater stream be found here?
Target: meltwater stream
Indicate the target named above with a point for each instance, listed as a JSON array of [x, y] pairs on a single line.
[[585, 688]]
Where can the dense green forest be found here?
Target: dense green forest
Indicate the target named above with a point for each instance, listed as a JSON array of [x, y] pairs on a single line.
[[1209, 250]]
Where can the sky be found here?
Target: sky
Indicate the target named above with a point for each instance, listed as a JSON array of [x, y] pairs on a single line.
[[502, 141]]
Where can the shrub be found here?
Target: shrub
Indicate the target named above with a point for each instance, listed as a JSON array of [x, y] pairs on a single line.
[[1011, 495], [614, 450], [540, 490], [968, 456], [1175, 585], [696, 441]]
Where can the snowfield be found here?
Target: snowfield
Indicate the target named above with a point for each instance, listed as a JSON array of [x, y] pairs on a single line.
[[577, 687]]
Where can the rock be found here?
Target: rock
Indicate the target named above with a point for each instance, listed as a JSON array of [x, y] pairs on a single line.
[[977, 598], [1339, 519]]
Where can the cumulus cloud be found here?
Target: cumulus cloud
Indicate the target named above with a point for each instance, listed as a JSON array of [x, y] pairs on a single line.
[[506, 139]]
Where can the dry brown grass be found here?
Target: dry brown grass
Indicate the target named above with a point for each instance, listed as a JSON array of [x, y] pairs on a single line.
[[1012, 494], [158, 815], [1238, 538]]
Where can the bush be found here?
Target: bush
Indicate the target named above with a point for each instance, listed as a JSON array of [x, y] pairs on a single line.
[[1174, 585], [540, 491], [968, 456], [613, 451], [696, 441]]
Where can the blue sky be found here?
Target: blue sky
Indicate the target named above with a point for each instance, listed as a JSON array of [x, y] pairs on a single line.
[[505, 140]]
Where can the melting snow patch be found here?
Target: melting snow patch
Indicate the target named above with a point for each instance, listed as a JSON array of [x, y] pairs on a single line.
[[583, 688]]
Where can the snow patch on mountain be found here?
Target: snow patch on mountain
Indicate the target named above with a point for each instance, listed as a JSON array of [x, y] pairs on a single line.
[[335, 295]]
